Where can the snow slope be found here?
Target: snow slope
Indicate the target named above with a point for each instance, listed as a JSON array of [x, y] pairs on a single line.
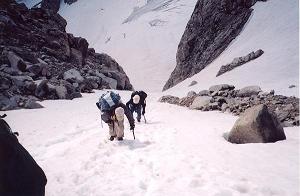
[[179, 152], [146, 44], [142, 37], [273, 28]]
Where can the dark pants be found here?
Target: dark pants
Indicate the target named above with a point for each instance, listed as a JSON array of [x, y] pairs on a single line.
[[138, 110]]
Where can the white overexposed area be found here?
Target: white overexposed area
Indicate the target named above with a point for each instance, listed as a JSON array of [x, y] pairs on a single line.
[[179, 151]]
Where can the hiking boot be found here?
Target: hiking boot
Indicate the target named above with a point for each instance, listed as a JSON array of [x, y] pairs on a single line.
[[112, 138], [120, 138], [139, 120]]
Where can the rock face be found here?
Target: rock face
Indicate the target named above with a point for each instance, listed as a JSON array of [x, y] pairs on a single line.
[[226, 98], [70, 1], [51, 5], [39, 60], [239, 61], [213, 25], [256, 125]]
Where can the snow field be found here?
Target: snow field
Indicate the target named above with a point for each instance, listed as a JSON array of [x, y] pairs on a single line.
[[178, 152]]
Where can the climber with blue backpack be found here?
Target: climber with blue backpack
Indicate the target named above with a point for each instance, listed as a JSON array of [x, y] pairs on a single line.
[[112, 112]]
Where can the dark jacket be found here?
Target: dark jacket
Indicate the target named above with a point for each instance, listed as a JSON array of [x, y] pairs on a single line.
[[142, 102], [20, 175]]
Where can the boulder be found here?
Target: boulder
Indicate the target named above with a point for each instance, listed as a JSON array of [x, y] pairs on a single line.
[[186, 101], [5, 83], [248, 91], [193, 83], [32, 104], [200, 102], [112, 83], [42, 89], [220, 87], [20, 80], [191, 94], [204, 93], [169, 99], [61, 92], [16, 62], [256, 125], [73, 74], [76, 57]]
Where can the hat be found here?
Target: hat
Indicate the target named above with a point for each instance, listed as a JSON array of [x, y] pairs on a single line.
[[136, 99]]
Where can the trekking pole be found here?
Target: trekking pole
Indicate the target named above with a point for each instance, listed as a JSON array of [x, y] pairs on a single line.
[[133, 133], [101, 119], [145, 119]]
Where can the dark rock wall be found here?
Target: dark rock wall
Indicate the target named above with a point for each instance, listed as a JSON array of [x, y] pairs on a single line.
[[37, 54]]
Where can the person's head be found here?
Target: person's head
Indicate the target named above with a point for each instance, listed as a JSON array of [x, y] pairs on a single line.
[[136, 99]]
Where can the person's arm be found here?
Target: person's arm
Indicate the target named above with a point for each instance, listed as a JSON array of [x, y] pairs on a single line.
[[129, 116], [98, 105], [144, 107]]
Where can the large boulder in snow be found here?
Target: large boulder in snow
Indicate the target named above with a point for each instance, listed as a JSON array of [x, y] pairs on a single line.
[[200, 102], [32, 104], [248, 91], [256, 125], [211, 28], [169, 99], [220, 87]]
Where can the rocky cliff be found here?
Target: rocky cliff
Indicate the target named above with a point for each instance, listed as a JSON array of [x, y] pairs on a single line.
[[213, 25], [39, 60]]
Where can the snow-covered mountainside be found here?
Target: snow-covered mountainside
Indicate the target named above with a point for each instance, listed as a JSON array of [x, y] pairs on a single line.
[[178, 152], [273, 28], [143, 37]]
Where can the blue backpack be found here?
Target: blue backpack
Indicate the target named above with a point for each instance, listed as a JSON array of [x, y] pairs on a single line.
[[108, 100]]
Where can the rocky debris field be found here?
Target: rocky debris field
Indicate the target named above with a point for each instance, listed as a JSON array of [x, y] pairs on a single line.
[[226, 98], [39, 60]]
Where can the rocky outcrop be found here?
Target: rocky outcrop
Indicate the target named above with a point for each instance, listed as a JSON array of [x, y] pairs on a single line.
[[70, 1], [256, 125], [39, 60], [239, 61], [226, 98], [213, 25], [51, 5], [169, 99]]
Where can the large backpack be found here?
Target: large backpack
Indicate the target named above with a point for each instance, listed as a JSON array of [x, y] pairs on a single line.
[[19, 173], [106, 102], [143, 95]]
